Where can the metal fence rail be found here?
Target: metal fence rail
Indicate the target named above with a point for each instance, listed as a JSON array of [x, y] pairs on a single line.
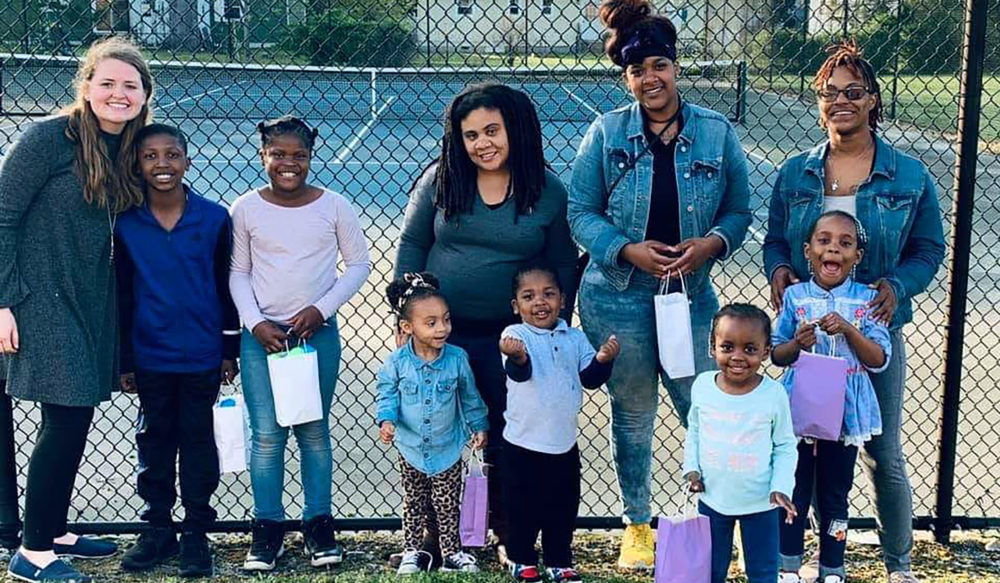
[[375, 76]]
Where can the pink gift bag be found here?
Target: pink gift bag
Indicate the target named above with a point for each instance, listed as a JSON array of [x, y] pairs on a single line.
[[472, 520], [818, 394], [684, 546]]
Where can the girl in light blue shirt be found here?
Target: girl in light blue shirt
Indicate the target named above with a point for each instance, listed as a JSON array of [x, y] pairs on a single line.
[[429, 406], [740, 449]]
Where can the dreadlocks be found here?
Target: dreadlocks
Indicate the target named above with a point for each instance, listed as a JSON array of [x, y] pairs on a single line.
[[849, 54], [455, 178]]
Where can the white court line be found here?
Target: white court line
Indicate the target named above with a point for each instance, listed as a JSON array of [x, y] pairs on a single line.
[[199, 96], [346, 151], [581, 101]]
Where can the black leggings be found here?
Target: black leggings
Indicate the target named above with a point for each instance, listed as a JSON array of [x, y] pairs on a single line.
[[10, 524], [52, 471]]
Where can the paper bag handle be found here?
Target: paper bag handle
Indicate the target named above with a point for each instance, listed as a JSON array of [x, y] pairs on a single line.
[[476, 465], [664, 284]]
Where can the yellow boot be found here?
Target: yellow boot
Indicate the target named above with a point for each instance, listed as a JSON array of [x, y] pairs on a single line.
[[637, 548]]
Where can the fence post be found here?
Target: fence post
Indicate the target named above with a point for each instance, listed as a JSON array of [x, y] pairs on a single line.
[[895, 58], [970, 96]]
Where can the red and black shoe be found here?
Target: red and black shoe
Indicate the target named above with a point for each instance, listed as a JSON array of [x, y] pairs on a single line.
[[525, 573]]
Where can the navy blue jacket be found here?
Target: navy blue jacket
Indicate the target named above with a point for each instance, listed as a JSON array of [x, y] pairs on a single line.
[[173, 289]]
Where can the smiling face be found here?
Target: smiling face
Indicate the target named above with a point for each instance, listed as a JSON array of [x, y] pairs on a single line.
[[837, 111], [833, 250], [538, 300], [115, 94], [485, 137], [653, 83], [162, 162], [428, 322], [739, 346], [286, 160]]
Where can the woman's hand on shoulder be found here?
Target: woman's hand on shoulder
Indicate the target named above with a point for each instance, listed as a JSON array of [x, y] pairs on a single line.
[[270, 337], [10, 342], [885, 302], [651, 257], [783, 278]]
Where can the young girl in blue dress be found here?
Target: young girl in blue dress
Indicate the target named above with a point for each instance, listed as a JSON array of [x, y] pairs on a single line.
[[830, 313]]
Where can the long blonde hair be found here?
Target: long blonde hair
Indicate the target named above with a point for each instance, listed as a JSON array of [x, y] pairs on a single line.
[[107, 182]]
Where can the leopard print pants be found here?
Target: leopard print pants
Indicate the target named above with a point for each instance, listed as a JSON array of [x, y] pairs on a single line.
[[443, 491]]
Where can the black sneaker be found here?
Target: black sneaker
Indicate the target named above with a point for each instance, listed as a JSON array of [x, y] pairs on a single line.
[[155, 545], [321, 544], [267, 546], [10, 536], [196, 556]]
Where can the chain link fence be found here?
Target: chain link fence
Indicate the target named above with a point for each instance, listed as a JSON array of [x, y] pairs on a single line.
[[375, 77]]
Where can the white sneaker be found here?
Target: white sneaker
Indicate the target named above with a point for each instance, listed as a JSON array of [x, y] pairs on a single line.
[[410, 564], [460, 561], [789, 578], [833, 579]]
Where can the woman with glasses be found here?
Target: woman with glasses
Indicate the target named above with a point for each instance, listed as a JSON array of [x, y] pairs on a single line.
[[893, 197]]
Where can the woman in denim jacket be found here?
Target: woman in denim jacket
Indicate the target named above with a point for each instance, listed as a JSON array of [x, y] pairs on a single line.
[[893, 197], [659, 188]]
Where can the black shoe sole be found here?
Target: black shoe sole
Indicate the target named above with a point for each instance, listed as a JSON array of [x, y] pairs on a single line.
[[134, 567], [196, 572]]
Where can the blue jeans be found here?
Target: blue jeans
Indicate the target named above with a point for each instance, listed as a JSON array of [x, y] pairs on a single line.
[[633, 386], [885, 464], [760, 544], [268, 439]]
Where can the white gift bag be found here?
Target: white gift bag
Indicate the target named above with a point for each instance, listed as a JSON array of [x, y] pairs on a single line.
[[231, 433], [673, 331], [295, 385]]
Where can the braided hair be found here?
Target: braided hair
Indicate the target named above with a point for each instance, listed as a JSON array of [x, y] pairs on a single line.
[[849, 54], [455, 176], [402, 292], [286, 125]]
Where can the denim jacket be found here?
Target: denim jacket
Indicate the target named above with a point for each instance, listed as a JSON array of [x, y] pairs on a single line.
[[712, 187], [897, 206], [434, 405]]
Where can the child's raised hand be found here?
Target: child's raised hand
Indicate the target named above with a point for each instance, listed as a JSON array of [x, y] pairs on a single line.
[[805, 336], [270, 337], [387, 432], [228, 371], [306, 322], [479, 440], [834, 323], [514, 348], [781, 501], [609, 350], [127, 383], [694, 482]]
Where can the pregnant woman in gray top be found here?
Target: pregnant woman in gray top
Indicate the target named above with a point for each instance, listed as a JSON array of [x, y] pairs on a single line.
[[486, 207], [61, 186]]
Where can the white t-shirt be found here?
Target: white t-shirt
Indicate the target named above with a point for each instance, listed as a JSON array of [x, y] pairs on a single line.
[[847, 204]]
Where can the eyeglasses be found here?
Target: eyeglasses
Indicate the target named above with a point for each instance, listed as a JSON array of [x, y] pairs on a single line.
[[852, 93]]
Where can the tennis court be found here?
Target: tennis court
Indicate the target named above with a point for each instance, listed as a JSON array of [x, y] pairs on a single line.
[[378, 129]]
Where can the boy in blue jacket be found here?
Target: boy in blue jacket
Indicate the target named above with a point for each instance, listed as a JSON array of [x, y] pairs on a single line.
[[179, 340]]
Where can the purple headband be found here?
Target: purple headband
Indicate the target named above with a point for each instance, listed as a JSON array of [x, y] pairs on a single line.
[[649, 43]]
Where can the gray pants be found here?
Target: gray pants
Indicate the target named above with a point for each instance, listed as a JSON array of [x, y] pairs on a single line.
[[885, 466]]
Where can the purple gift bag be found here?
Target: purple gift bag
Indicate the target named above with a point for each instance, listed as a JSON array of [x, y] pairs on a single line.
[[472, 521], [684, 547], [818, 394]]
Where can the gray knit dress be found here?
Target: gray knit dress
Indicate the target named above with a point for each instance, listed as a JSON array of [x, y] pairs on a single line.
[[56, 273]]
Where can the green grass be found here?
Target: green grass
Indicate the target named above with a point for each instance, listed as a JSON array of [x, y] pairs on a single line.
[[926, 101], [963, 562]]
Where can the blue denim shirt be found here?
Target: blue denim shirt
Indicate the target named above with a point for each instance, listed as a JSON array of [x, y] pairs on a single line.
[[712, 187], [897, 206], [434, 405]]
